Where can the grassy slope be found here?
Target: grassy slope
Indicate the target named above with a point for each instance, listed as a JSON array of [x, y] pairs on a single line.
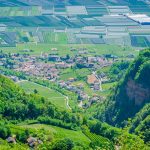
[[56, 98], [76, 136], [4, 145]]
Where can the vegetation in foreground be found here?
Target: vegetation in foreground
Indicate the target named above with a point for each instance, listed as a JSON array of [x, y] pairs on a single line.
[[30, 116]]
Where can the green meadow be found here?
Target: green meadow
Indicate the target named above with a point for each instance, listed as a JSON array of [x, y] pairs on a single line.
[[64, 49], [51, 95]]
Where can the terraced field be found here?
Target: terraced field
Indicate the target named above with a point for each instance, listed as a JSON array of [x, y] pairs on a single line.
[[101, 141]]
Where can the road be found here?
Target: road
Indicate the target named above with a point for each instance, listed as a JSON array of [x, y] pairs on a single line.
[[99, 79]]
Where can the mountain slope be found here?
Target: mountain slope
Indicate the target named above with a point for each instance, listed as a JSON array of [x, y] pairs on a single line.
[[15, 104], [140, 125], [131, 94]]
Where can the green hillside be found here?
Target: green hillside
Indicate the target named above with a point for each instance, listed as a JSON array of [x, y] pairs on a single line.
[[51, 95], [24, 115], [130, 99], [74, 74], [141, 123]]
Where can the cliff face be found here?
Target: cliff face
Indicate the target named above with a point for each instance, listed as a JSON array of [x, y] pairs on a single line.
[[137, 93], [132, 93]]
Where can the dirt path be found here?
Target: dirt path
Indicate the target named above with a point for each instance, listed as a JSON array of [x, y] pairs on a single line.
[[67, 101]]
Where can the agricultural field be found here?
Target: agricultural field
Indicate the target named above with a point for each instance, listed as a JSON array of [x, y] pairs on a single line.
[[76, 66], [61, 132], [64, 49], [51, 95], [18, 11], [104, 142], [54, 38], [138, 40], [70, 18], [7, 39]]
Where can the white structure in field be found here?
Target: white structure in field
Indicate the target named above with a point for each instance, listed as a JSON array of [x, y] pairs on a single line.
[[140, 18], [76, 10], [122, 10]]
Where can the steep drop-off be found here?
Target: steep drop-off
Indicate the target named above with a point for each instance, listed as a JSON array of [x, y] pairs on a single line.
[[131, 94]]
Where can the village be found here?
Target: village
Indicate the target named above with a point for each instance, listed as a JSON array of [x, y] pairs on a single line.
[[50, 67]]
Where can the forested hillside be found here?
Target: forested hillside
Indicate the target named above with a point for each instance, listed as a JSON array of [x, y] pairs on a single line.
[[26, 117], [15, 104], [140, 125], [131, 96]]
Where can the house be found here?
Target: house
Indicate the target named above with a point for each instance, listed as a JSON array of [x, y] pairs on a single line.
[[32, 141], [92, 79], [14, 78], [92, 59], [54, 58], [54, 49], [11, 140], [110, 56], [71, 79], [51, 76], [94, 99], [78, 91], [80, 59], [83, 96], [62, 84], [82, 52], [70, 88], [80, 86], [61, 65], [90, 65], [70, 61], [96, 86], [102, 75]]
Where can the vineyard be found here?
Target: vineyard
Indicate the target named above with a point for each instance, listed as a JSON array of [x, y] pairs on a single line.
[[98, 141]]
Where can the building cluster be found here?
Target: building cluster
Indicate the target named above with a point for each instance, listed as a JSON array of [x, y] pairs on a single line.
[[51, 66]]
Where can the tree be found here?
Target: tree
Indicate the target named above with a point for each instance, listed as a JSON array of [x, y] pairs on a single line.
[[35, 91], [4, 131], [65, 144]]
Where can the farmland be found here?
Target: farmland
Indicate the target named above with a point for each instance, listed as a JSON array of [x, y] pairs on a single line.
[[63, 22], [106, 144], [74, 74], [64, 49], [51, 95], [48, 37], [16, 11], [61, 133]]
